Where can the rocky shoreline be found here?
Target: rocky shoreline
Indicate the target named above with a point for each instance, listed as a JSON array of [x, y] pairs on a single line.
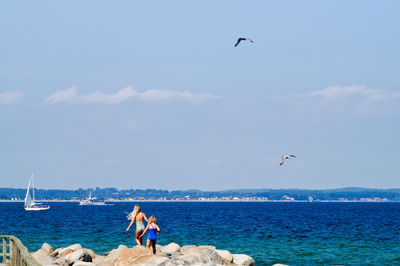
[[169, 255]]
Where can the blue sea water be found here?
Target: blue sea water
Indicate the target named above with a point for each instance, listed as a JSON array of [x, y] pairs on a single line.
[[292, 233]]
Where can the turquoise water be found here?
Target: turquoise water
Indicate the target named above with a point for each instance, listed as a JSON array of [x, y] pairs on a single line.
[[290, 233]]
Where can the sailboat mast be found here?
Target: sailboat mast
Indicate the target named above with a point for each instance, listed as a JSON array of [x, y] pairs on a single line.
[[33, 188]]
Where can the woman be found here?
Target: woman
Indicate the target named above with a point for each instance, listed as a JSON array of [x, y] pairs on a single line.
[[138, 216]]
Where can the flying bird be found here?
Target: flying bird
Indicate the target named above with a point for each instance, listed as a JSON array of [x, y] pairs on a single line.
[[243, 39], [287, 157]]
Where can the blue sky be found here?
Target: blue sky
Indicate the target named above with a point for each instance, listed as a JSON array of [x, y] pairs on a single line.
[[134, 94]]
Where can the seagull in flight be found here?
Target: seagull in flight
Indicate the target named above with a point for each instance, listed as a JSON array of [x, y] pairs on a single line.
[[243, 39], [287, 157]]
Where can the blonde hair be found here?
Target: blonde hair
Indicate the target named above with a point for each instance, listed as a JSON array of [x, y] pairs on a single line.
[[152, 219], [134, 213]]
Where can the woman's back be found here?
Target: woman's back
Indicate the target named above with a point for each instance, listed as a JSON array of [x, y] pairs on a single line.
[[139, 217]]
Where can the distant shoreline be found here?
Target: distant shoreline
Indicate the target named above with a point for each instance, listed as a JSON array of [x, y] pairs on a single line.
[[286, 201]]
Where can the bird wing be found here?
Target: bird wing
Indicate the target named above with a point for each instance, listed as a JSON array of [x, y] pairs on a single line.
[[283, 160], [249, 39], [291, 155], [238, 41]]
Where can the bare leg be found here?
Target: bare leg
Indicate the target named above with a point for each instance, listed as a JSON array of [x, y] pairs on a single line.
[[141, 239], [154, 246], [148, 247], [138, 239]]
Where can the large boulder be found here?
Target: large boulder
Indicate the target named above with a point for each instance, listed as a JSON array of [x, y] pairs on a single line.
[[158, 249], [80, 254], [207, 247], [127, 256], [91, 253], [101, 260], [184, 260], [63, 252], [55, 252], [174, 255], [113, 254], [194, 250], [211, 256], [61, 261], [48, 261], [187, 248], [151, 259], [47, 247], [40, 255], [225, 255], [83, 263], [171, 248], [243, 260]]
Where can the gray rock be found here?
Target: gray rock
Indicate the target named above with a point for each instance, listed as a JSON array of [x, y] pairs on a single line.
[[185, 249], [244, 260], [113, 254], [40, 255], [175, 255], [150, 260], [184, 260], [211, 256], [55, 252], [74, 256], [47, 247], [158, 249], [61, 262], [207, 247], [171, 248], [225, 255], [48, 261], [73, 247], [80, 254], [194, 250], [83, 263], [91, 253], [100, 260]]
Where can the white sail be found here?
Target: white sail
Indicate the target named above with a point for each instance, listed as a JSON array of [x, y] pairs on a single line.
[[28, 199]]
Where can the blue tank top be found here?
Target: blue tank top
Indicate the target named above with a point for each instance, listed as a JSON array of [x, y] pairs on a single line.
[[152, 233]]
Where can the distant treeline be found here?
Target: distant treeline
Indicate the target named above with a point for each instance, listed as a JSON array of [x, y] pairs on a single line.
[[148, 194]]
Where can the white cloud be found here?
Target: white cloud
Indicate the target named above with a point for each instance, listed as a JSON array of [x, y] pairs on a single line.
[[339, 92], [62, 96], [98, 97], [70, 95], [166, 95], [9, 97]]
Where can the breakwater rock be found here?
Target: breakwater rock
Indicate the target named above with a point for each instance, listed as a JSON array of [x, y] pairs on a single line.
[[169, 255]]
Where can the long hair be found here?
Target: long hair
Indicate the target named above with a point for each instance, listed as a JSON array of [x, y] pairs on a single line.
[[152, 219], [134, 213]]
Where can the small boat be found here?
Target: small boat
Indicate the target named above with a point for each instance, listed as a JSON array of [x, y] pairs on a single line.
[[30, 203], [92, 201]]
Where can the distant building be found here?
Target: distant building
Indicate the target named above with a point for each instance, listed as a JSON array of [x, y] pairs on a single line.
[[285, 197]]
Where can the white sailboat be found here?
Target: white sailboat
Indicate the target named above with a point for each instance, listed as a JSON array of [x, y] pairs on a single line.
[[30, 203]]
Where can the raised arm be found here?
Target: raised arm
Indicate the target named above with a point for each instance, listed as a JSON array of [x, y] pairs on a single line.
[[127, 229], [158, 229]]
